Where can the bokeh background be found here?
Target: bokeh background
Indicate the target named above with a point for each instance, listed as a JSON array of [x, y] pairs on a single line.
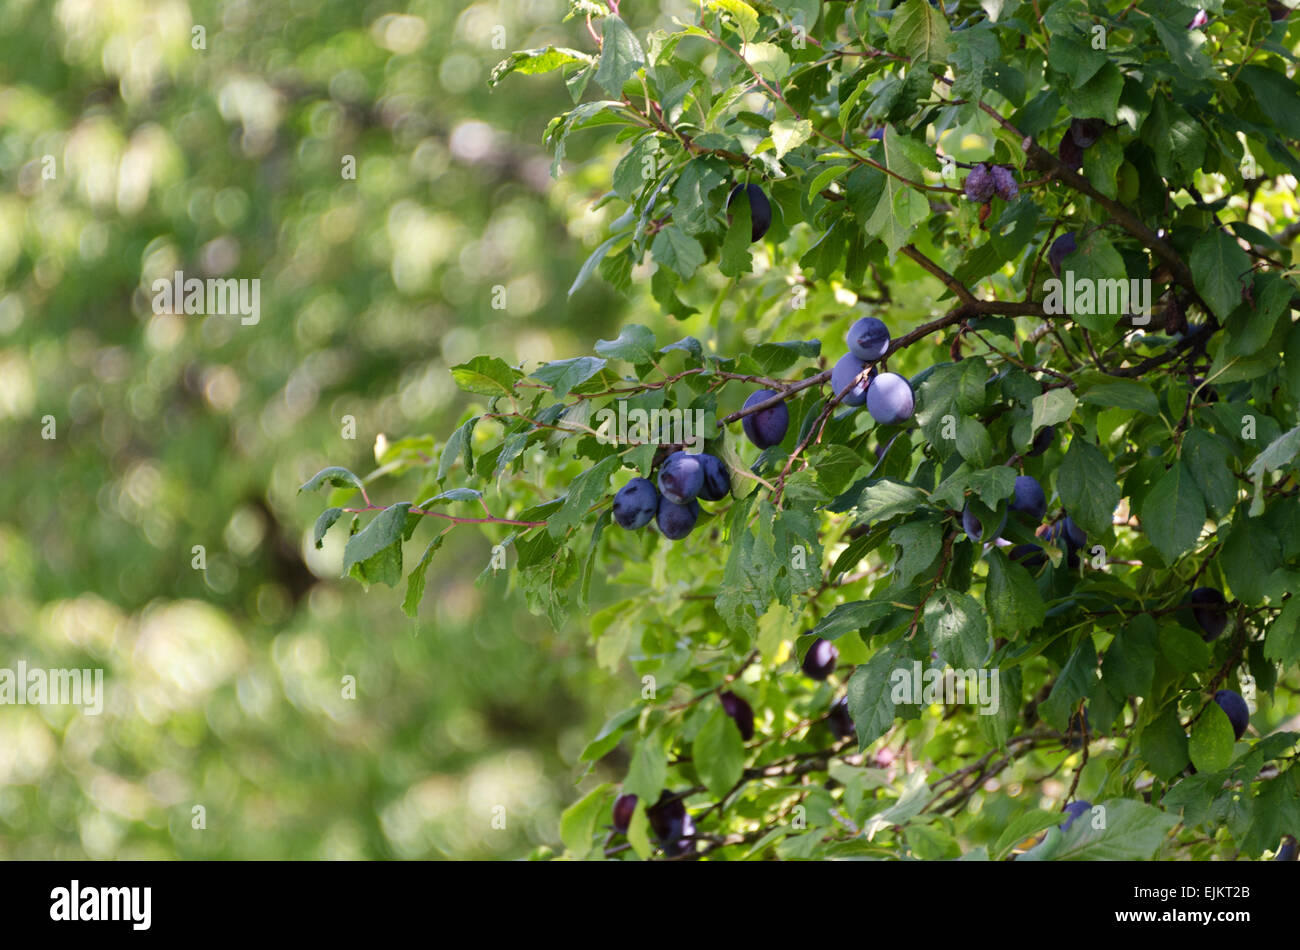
[[132, 145]]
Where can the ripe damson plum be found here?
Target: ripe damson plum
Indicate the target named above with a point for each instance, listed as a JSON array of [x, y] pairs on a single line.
[[1287, 850], [819, 661], [839, 720], [979, 184], [846, 369], [681, 476], [635, 504], [741, 713], [760, 210], [889, 399], [1043, 440], [1278, 11], [1069, 153], [766, 427], [624, 806], [1236, 708], [1075, 810], [717, 480], [667, 817], [1004, 183], [676, 521], [1062, 247], [974, 530], [868, 338], [1209, 607], [1085, 132], [1028, 498]]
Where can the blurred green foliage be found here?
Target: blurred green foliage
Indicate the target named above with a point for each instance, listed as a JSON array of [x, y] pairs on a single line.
[[132, 145]]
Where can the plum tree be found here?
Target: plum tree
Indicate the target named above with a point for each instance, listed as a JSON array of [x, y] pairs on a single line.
[[766, 427], [681, 478], [676, 521], [717, 479], [741, 713], [845, 371], [760, 209], [1148, 165], [889, 399], [1238, 712], [635, 504], [1209, 608], [868, 339], [819, 662]]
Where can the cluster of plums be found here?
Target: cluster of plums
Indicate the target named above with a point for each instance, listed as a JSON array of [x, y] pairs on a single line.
[[684, 477], [888, 396], [986, 180]]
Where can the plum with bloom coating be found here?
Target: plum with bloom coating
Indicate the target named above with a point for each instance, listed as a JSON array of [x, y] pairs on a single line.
[[1238, 712], [845, 371], [681, 477], [741, 713], [889, 399], [868, 339], [676, 521], [717, 480], [635, 504], [766, 427], [760, 210], [819, 661]]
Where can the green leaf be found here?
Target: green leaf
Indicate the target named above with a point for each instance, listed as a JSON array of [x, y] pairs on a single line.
[[620, 57], [918, 544], [870, 697], [958, 632], [1277, 95], [900, 208], [1211, 744], [635, 343], [1130, 663], [458, 446], [847, 618], [334, 475], [742, 16], [789, 134], [1123, 394], [1163, 745], [700, 177], [1283, 642], [1076, 683], [1133, 831], [649, 769], [1251, 553], [735, 258], [1088, 486], [583, 492], [1281, 451], [1053, 407], [376, 550], [578, 822], [675, 249], [719, 753], [323, 524], [887, 498], [533, 61], [919, 32], [974, 444], [1218, 265], [1022, 827], [486, 376], [593, 261], [1173, 513], [1011, 597], [1184, 650], [416, 579], [609, 735], [563, 375]]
